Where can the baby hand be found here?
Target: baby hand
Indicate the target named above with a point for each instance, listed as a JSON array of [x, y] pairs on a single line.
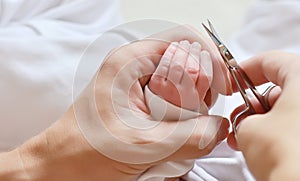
[[183, 76]]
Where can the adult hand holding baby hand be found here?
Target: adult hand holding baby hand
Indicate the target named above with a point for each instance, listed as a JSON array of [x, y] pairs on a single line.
[[108, 133], [132, 136]]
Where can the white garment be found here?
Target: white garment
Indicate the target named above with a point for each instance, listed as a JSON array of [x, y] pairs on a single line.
[[268, 25], [41, 44]]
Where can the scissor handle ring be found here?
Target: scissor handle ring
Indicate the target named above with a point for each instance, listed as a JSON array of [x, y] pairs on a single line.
[[250, 110]]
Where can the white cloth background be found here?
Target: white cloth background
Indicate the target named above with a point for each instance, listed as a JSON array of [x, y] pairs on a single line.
[[41, 44]]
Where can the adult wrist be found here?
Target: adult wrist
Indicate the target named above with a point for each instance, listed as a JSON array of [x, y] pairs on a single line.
[[11, 167], [47, 156], [61, 152], [35, 158]]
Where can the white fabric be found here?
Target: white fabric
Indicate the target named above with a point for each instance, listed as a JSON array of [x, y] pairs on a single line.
[[41, 44], [268, 25], [222, 164]]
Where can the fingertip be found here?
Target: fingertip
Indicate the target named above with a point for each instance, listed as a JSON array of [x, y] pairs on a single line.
[[196, 46], [172, 47], [236, 111], [231, 141], [184, 45], [273, 94], [184, 42], [174, 43], [224, 130], [206, 65], [205, 52], [194, 54]]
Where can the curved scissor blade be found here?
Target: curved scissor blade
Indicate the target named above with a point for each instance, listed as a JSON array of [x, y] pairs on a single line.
[[213, 30], [214, 37]]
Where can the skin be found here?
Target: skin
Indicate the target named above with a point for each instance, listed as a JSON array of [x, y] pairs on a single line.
[[62, 152], [270, 141], [184, 75]]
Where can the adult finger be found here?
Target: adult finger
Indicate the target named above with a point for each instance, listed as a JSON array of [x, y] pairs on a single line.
[[207, 132], [273, 66], [271, 98]]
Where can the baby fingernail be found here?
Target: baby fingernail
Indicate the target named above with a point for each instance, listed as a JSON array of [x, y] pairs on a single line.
[[196, 45]]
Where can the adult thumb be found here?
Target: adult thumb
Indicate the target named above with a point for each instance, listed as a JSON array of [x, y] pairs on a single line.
[[207, 132]]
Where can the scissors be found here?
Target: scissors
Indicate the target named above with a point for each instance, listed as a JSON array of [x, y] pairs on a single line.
[[241, 80]]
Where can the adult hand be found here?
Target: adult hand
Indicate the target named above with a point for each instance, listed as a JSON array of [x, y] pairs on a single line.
[[270, 141], [108, 133], [124, 119]]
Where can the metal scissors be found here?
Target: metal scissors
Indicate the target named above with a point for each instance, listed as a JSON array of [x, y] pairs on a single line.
[[240, 78]]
